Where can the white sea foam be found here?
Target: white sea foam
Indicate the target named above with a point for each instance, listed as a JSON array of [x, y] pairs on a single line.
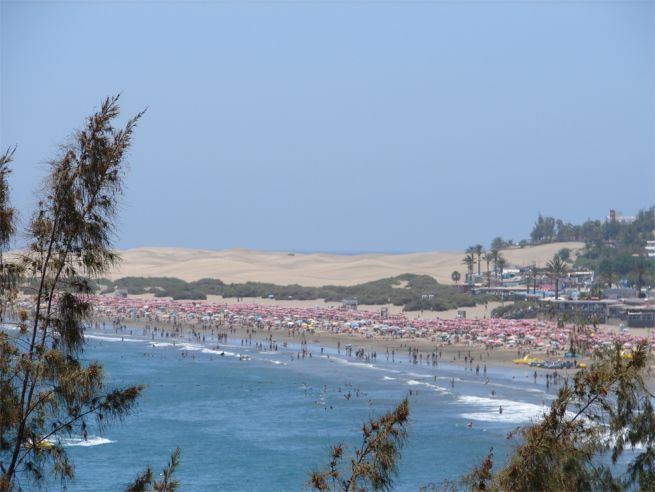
[[213, 351], [416, 375], [113, 339], [364, 365], [162, 344], [529, 390], [488, 410], [345, 362], [189, 346], [217, 352], [78, 441], [434, 387], [387, 378]]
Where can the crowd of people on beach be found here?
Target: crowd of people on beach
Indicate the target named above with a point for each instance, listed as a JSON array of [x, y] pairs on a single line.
[[524, 335]]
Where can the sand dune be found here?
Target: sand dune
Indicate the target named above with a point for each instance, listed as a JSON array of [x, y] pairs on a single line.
[[307, 269]]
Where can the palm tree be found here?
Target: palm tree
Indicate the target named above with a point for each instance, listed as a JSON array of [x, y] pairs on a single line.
[[471, 251], [556, 268], [469, 261], [606, 271], [640, 266], [527, 275], [478, 251], [501, 263], [494, 257], [488, 257], [455, 276]]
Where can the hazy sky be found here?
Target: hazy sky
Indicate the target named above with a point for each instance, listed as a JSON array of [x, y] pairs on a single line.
[[343, 125]]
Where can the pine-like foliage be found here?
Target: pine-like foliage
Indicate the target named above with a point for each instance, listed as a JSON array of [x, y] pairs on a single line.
[[46, 390], [601, 412], [146, 482], [374, 463]]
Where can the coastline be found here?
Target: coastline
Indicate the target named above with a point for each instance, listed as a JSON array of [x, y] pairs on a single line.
[[318, 339], [452, 354]]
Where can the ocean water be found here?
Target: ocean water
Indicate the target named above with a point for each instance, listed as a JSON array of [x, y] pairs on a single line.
[[262, 424]]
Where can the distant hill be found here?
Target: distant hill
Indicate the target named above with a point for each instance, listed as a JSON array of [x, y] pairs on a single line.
[[312, 270]]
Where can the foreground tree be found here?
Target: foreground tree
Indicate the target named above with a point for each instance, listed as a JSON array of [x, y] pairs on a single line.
[[9, 272], [374, 463], [46, 390], [146, 482], [603, 411]]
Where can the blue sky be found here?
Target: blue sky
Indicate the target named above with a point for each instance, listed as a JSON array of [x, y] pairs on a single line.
[[343, 126]]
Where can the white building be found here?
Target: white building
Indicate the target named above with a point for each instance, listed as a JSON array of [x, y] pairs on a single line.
[[650, 248], [619, 217]]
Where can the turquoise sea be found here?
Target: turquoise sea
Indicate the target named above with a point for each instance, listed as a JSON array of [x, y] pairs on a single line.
[[262, 424]]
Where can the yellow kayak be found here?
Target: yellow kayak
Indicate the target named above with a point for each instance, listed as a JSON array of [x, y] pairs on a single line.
[[525, 360]]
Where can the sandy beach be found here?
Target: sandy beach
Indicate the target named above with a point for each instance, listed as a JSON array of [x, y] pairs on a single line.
[[453, 352]]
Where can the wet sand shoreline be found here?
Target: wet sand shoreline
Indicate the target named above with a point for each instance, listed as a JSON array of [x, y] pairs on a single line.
[[455, 354]]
